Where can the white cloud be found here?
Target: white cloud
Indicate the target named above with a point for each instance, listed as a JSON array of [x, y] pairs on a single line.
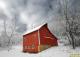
[[28, 19], [24, 18], [2, 4]]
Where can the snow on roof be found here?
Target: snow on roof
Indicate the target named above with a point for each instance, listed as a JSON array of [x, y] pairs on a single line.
[[32, 30]]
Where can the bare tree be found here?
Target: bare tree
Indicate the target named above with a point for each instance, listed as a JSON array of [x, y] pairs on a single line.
[[9, 30], [72, 23]]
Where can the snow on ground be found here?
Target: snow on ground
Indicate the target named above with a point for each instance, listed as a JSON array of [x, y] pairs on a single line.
[[58, 51]]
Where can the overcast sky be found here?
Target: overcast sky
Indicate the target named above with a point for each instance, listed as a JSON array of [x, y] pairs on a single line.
[[32, 13]]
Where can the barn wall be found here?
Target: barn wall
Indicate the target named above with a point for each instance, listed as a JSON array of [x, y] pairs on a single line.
[[46, 37], [30, 42]]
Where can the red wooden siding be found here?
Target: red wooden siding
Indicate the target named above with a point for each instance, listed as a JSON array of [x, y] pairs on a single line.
[[30, 42], [46, 37]]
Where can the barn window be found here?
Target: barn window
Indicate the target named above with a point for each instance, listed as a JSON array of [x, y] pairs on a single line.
[[33, 46], [28, 47]]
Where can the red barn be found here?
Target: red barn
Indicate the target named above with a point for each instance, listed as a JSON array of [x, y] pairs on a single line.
[[38, 39]]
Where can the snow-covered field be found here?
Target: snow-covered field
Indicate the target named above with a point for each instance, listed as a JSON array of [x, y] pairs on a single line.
[[58, 51]]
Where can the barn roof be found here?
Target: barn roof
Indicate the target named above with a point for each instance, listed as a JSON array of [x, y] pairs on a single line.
[[32, 30]]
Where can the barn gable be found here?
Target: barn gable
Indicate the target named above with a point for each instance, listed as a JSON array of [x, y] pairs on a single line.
[[38, 29], [35, 29]]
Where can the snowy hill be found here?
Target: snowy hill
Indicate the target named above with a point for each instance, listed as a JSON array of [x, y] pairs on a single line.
[[58, 51]]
